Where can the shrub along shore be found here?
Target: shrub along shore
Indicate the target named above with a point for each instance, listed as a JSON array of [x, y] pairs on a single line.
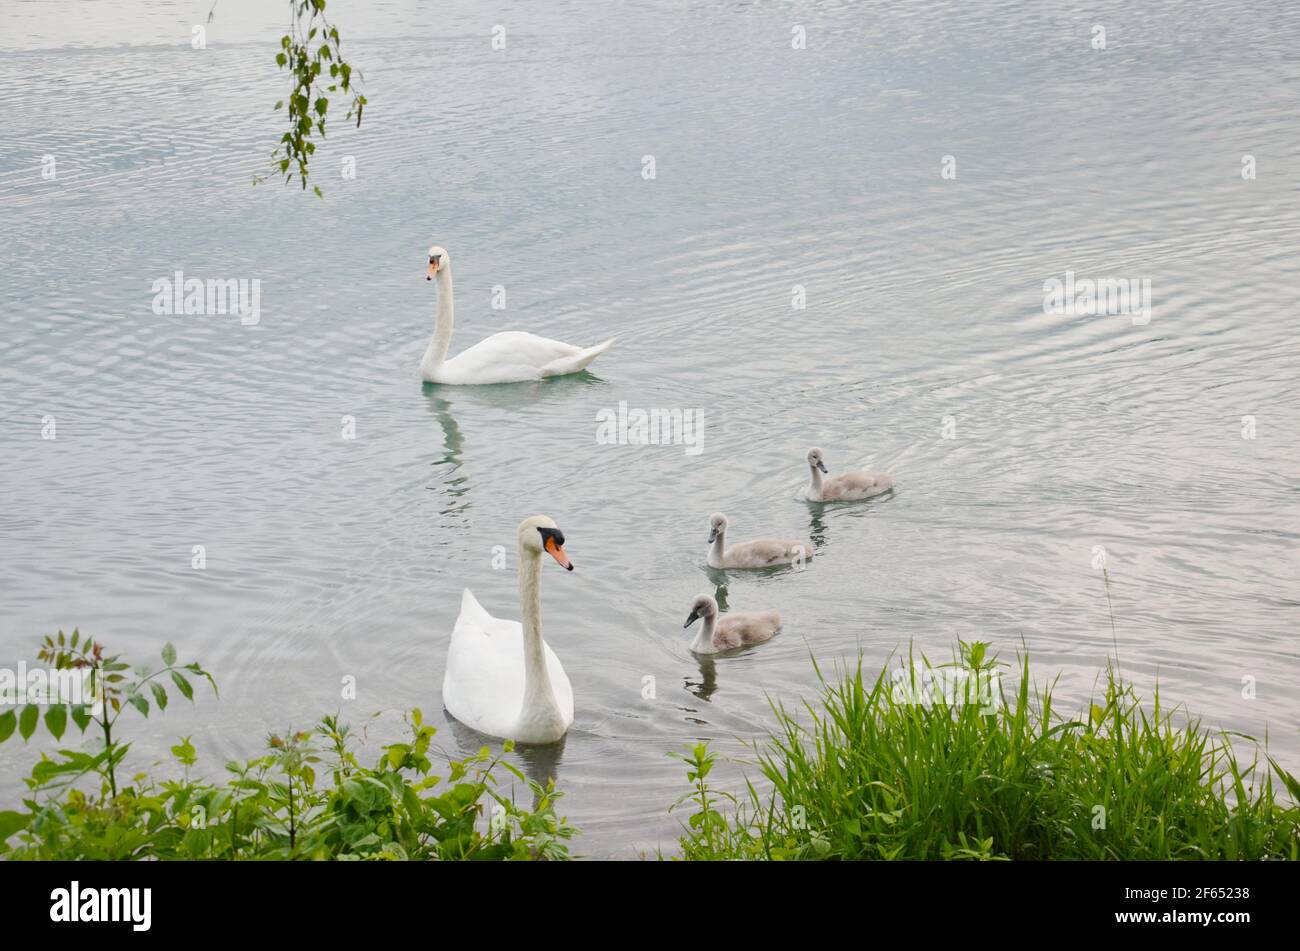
[[922, 761]]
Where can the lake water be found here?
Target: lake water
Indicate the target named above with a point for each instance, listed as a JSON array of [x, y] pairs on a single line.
[[774, 167]]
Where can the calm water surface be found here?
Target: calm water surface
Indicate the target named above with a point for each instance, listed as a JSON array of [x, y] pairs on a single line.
[[329, 557]]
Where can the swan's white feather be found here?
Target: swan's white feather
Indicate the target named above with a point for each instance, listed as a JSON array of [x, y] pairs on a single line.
[[484, 684], [514, 356]]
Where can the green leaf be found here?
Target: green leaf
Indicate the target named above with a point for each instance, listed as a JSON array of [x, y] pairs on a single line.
[[168, 654], [183, 685], [159, 695], [27, 720], [81, 716], [1291, 783], [138, 701], [184, 751], [56, 720], [11, 822], [8, 722]]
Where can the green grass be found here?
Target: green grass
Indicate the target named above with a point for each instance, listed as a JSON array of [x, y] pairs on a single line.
[[990, 771]]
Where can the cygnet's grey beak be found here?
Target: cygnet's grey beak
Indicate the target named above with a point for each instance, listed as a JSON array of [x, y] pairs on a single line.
[[713, 534], [690, 619], [822, 466]]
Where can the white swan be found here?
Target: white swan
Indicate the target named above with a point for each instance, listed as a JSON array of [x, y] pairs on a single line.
[[760, 553], [509, 357], [845, 487], [733, 630], [502, 678]]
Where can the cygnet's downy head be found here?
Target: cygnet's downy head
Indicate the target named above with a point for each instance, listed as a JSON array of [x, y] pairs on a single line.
[[703, 606], [717, 525]]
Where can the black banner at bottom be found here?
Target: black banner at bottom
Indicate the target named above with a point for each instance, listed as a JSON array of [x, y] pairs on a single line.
[[304, 900]]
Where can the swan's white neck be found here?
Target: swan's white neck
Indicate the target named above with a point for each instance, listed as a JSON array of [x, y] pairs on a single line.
[[441, 342], [815, 483], [704, 639], [540, 705]]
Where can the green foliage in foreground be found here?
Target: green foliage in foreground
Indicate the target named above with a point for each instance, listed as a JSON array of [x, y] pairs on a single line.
[[979, 772], [270, 807], [929, 762]]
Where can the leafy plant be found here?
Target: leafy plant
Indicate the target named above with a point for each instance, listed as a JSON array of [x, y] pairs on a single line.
[[114, 687], [708, 834], [272, 806], [309, 50]]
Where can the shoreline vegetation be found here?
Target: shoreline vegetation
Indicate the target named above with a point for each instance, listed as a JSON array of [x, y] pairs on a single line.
[[920, 762], [939, 762]]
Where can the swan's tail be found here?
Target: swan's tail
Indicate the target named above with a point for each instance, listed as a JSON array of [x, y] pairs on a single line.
[[578, 361]]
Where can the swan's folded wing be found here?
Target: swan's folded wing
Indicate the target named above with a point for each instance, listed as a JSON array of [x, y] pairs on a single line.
[[511, 348], [483, 686], [773, 551], [471, 610], [861, 483], [475, 620], [573, 363]]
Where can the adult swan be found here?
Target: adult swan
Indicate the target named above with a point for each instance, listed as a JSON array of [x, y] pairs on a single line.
[[502, 679], [509, 357]]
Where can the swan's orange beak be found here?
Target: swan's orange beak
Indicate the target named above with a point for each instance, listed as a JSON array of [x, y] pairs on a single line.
[[433, 271], [557, 552]]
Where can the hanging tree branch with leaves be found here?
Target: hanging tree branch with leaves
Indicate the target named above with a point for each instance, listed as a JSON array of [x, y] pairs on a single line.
[[308, 51]]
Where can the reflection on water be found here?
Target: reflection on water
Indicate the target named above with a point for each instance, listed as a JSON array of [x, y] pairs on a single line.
[[718, 578], [817, 525], [453, 439], [1021, 438], [540, 763], [707, 685], [455, 484]]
